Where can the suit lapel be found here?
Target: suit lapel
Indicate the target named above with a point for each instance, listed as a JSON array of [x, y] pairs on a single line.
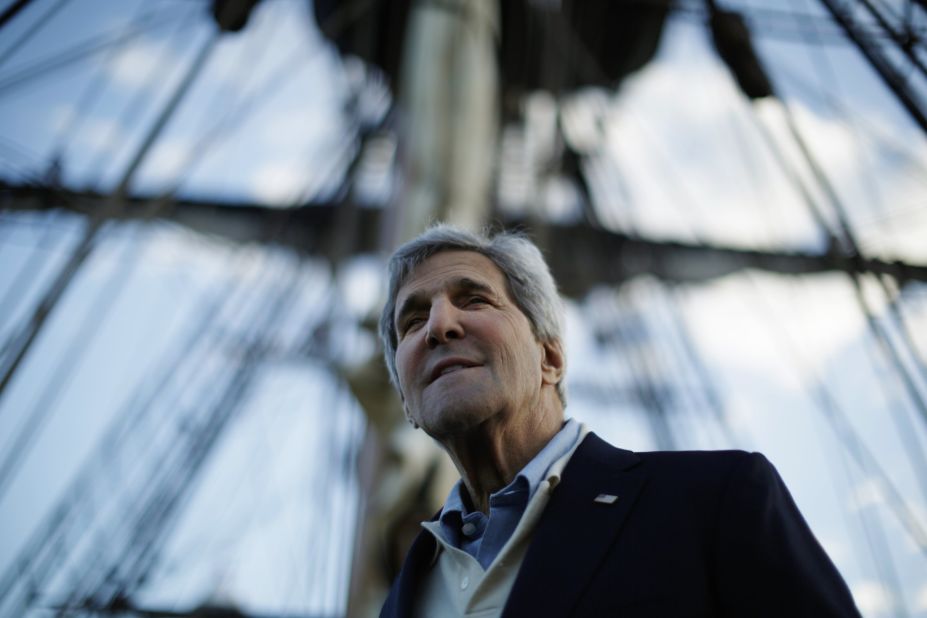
[[575, 531], [417, 563]]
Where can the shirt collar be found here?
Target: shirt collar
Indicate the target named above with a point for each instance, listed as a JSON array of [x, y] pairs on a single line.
[[529, 477]]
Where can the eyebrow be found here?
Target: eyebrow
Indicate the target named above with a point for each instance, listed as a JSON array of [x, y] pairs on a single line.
[[459, 284]]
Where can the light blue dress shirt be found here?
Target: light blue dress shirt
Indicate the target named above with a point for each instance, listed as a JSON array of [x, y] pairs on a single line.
[[483, 537]]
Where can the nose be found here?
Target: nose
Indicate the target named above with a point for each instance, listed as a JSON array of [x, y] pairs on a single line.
[[443, 324]]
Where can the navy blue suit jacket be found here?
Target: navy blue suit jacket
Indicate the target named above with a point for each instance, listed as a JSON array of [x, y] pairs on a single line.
[[691, 534]]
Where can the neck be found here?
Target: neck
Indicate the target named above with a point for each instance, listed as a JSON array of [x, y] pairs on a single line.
[[489, 456]]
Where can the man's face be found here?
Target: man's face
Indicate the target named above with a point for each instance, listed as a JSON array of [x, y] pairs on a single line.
[[465, 352]]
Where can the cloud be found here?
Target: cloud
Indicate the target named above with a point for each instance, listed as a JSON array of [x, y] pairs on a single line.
[[100, 134], [361, 285], [299, 127], [699, 170], [278, 183], [865, 494], [62, 116], [872, 598], [237, 61], [165, 160], [696, 166], [134, 66], [920, 601], [774, 324]]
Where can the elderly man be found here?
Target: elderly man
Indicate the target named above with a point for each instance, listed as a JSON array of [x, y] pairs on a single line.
[[547, 519]]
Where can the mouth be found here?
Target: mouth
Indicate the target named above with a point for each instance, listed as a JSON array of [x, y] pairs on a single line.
[[449, 366]]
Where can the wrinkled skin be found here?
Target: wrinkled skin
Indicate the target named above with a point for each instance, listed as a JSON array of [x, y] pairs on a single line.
[[472, 374]]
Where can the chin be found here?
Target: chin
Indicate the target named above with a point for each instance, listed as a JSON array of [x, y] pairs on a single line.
[[455, 417]]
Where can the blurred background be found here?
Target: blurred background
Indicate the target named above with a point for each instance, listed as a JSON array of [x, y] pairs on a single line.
[[197, 198]]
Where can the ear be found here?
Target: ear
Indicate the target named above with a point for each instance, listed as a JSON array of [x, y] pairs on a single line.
[[553, 362]]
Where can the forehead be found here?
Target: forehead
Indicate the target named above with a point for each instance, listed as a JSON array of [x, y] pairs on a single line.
[[448, 269]]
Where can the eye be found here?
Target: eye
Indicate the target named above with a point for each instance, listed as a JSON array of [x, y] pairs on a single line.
[[411, 324], [477, 300]]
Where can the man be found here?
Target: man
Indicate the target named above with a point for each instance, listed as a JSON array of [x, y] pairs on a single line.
[[547, 519]]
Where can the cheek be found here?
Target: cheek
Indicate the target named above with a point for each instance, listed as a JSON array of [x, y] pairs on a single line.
[[522, 358], [402, 365], [405, 364]]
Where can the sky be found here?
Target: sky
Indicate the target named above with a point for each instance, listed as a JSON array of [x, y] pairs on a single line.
[[675, 153]]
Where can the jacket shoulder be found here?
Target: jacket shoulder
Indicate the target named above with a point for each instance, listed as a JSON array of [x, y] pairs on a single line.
[[676, 464], [693, 477], [696, 463]]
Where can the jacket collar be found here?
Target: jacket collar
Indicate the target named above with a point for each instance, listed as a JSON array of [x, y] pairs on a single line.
[[576, 531], [572, 536], [416, 565]]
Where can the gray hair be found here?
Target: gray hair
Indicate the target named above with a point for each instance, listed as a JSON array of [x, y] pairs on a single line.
[[530, 283]]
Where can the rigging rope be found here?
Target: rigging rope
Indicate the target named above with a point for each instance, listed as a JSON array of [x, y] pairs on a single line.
[[16, 45], [61, 60]]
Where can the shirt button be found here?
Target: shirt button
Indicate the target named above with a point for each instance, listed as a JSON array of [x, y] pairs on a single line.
[[464, 583], [468, 529]]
